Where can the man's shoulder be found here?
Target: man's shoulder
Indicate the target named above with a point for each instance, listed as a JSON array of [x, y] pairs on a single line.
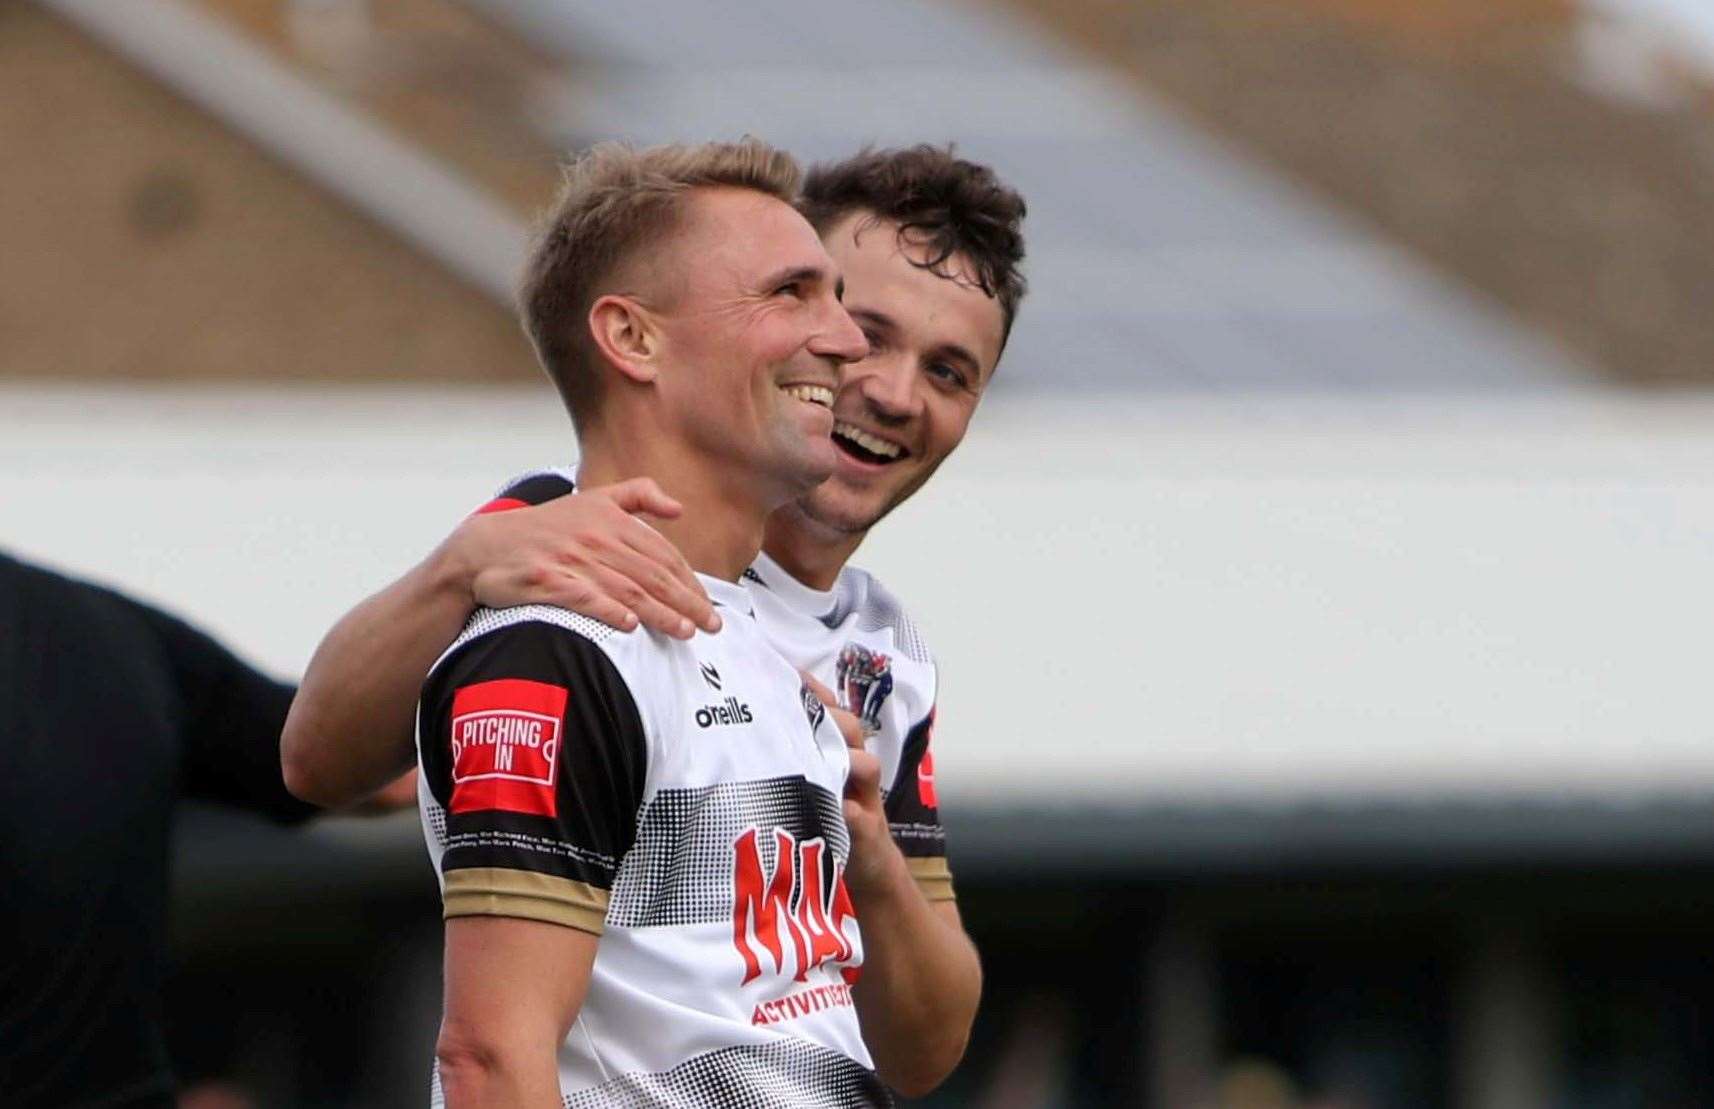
[[27, 583], [862, 597], [553, 640], [539, 635], [490, 621], [534, 487]]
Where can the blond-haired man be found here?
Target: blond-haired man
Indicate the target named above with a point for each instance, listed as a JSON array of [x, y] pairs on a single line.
[[589, 792]]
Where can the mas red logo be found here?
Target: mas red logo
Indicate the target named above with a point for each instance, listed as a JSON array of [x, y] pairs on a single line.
[[792, 917], [505, 746]]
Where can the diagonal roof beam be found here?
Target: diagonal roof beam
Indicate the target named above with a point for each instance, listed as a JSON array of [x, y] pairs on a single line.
[[413, 195]]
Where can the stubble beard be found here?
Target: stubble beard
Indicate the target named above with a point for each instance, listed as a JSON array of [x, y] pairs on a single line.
[[831, 525], [838, 525]]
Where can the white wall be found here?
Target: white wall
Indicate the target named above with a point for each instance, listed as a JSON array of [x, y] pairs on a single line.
[[1131, 598]]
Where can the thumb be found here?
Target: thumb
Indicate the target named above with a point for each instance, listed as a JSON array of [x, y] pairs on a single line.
[[643, 495]]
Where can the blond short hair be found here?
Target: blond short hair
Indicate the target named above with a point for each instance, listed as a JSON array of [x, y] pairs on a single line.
[[618, 201]]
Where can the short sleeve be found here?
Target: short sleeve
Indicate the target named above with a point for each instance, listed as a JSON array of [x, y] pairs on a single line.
[[532, 746], [913, 814]]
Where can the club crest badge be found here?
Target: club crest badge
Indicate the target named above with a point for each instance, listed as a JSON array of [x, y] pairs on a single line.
[[864, 680], [812, 707]]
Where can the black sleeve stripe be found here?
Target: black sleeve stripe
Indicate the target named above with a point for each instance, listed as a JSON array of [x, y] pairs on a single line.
[[599, 765], [913, 815]]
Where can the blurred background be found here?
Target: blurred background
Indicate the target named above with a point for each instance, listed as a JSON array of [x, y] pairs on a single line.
[[1321, 594]]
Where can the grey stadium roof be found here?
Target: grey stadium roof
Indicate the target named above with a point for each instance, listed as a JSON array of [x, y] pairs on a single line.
[[1158, 257]]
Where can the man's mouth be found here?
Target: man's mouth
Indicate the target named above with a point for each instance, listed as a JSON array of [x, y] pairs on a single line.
[[819, 395], [864, 446]]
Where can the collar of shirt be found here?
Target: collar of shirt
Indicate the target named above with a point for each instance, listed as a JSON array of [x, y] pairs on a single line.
[[811, 602], [728, 594]]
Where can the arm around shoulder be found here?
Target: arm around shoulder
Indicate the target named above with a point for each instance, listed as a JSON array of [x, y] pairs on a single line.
[[351, 727]]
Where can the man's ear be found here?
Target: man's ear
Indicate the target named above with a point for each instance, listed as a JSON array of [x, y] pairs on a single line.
[[626, 335]]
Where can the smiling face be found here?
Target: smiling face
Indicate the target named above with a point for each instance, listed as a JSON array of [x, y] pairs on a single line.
[[754, 338], [902, 409]]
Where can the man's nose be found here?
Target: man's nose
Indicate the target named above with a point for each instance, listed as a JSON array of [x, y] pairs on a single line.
[[889, 389], [840, 338]]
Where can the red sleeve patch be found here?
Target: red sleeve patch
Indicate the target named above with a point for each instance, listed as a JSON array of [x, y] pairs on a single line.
[[505, 746]]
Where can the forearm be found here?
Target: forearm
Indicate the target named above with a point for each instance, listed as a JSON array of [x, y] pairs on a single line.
[[513, 989], [921, 980], [351, 726], [482, 1076]]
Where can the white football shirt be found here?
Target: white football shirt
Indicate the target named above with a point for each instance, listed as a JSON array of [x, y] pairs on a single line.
[[682, 800], [857, 640]]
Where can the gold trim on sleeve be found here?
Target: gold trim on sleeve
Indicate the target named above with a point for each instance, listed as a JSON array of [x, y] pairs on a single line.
[[497, 891], [932, 876]]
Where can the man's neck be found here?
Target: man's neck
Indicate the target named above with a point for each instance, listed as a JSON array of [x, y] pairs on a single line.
[[811, 552], [719, 531]]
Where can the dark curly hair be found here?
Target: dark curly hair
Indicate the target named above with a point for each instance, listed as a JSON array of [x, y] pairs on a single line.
[[953, 207]]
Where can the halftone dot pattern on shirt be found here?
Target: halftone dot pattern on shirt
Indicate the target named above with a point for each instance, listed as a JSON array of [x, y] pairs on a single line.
[[789, 1074], [679, 870], [877, 610], [493, 619], [436, 819]]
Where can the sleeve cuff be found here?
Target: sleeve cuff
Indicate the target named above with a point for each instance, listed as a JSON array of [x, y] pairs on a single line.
[[526, 895], [932, 876]]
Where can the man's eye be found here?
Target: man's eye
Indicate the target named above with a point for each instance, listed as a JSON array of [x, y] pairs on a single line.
[[949, 374], [790, 288]]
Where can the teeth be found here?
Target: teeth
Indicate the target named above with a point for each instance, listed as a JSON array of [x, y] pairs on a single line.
[[866, 441], [812, 394]]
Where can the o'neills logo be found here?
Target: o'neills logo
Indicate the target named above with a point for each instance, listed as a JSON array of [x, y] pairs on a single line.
[[795, 917], [729, 711]]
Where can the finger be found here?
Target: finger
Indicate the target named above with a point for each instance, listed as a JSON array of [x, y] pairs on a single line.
[[585, 599], [694, 602], [642, 494], [865, 770], [851, 728], [824, 694], [688, 600], [863, 788], [654, 615]]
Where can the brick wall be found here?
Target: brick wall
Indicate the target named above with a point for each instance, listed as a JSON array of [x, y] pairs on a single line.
[[144, 240]]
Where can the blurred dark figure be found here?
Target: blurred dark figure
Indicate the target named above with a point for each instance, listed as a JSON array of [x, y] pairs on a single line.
[[110, 712]]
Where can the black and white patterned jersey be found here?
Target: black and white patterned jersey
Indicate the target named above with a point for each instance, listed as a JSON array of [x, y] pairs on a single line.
[[682, 800], [857, 640]]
